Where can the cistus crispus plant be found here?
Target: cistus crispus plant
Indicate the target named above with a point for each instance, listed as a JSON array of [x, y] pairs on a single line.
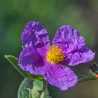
[[43, 62]]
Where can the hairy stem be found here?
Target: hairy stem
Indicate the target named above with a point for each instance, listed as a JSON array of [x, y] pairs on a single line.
[[84, 78]]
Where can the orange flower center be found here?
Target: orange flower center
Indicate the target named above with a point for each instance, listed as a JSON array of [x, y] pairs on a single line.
[[55, 55]]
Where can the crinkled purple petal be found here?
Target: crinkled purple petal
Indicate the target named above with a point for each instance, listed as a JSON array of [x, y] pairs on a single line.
[[82, 55], [61, 77], [68, 39], [35, 35], [43, 51], [30, 60]]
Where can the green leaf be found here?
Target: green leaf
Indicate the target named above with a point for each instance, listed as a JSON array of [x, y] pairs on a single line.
[[39, 89], [25, 87], [14, 61], [32, 89]]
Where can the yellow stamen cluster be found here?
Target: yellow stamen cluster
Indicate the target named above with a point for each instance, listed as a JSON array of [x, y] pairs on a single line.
[[55, 55]]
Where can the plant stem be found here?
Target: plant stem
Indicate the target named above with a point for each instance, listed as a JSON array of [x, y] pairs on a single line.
[[88, 77], [44, 89]]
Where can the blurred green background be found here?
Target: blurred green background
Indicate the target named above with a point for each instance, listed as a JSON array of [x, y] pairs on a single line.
[[14, 14]]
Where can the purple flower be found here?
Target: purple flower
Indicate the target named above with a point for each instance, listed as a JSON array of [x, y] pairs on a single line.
[[39, 57]]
